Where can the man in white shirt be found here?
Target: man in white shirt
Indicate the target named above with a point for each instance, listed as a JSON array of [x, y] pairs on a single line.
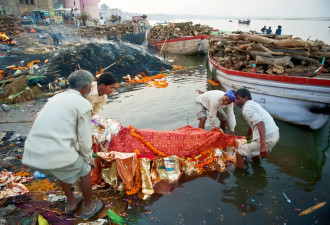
[[216, 102], [101, 21], [60, 142], [265, 132], [100, 90]]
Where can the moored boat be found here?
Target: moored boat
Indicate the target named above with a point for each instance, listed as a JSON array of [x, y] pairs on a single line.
[[287, 98], [183, 45], [244, 21]]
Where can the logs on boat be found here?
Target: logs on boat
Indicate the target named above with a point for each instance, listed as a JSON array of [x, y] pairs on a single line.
[[107, 31], [10, 25], [177, 30], [271, 54]]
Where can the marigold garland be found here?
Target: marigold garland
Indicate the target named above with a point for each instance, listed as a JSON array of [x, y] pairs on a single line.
[[201, 165], [138, 183], [148, 144], [23, 173], [212, 82]]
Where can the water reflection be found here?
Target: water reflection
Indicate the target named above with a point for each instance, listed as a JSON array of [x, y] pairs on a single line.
[[299, 154], [249, 185]]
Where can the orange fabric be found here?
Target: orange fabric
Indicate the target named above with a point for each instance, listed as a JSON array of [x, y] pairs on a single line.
[[32, 30], [126, 166], [183, 142], [96, 175]]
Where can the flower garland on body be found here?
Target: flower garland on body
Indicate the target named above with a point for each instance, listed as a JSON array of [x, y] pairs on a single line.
[[138, 182], [147, 143]]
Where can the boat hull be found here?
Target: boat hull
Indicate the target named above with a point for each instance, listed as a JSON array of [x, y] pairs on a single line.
[[183, 46], [285, 98]]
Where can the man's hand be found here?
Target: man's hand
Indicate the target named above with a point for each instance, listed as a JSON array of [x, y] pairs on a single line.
[[263, 151], [91, 163]]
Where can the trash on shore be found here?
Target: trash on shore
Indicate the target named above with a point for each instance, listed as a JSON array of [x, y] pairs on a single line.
[[177, 30], [28, 81], [270, 54]]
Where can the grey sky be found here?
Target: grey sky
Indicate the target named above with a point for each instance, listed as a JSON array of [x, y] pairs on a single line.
[[238, 8]]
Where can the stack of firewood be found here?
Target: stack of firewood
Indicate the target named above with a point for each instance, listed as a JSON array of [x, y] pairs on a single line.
[[176, 30], [11, 25], [107, 32], [270, 53]]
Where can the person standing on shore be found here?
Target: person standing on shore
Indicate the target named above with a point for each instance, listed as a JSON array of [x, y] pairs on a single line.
[[60, 142], [104, 86], [216, 102], [265, 132], [264, 29]]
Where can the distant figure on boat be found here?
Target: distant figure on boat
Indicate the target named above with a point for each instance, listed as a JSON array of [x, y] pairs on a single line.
[[278, 30], [101, 22], [269, 30], [262, 127], [264, 29]]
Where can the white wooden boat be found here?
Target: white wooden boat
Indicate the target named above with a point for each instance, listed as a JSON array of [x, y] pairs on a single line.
[[183, 45], [286, 98]]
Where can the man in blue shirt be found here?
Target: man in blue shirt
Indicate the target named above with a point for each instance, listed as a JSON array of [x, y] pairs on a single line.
[[56, 38], [269, 30], [278, 30]]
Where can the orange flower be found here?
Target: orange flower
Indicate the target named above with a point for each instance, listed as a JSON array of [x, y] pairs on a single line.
[[176, 67], [23, 174], [148, 144], [32, 63], [138, 182], [137, 152], [212, 82]]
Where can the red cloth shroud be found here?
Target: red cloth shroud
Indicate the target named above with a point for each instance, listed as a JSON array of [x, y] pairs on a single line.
[[183, 142]]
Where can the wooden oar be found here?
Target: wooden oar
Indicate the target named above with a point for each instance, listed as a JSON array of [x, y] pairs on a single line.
[[160, 53]]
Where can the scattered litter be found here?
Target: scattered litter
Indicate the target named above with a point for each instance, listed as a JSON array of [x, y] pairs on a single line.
[[38, 174], [287, 199], [56, 198], [97, 222], [312, 209]]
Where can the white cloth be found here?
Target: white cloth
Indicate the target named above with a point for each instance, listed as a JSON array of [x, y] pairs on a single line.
[[101, 22], [254, 114], [62, 128], [253, 148], [212, 101], [95, 99]]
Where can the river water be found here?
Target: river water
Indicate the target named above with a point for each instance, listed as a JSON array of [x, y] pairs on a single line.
[[299, 165]]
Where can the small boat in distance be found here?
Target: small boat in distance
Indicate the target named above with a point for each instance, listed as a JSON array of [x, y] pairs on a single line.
[[244, 21], [230, 21], [162, 22]]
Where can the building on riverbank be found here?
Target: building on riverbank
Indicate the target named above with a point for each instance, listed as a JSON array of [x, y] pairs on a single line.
[[19, 7], [91, 7]]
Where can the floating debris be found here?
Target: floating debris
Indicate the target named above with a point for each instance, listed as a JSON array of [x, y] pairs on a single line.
[[287, 199], [312, 209]]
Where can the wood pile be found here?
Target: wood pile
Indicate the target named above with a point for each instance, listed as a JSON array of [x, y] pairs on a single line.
[[272, 54], [10, 25], [177, 30], [107, 31]]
